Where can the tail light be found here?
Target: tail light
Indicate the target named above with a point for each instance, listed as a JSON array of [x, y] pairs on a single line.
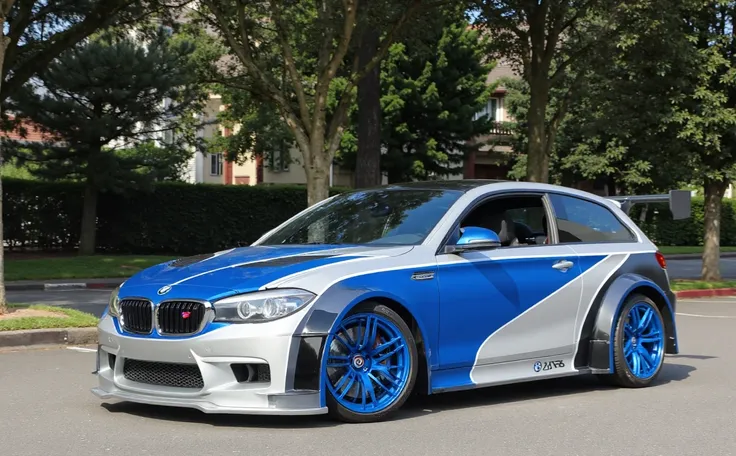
[[660, 259]]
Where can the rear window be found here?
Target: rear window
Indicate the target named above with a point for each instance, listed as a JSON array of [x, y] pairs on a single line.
[[579, 220]]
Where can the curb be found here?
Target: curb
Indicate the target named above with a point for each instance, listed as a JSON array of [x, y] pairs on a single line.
[[709, 293], [61, 336], [9, 286]]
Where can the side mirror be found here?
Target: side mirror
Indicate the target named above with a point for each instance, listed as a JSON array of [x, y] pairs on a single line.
[[474, 238]]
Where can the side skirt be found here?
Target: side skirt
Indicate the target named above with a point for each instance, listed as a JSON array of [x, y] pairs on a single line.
[[505, 373]]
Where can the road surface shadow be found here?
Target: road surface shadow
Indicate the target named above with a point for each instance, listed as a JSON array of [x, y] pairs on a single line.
[[527, 391], [415, 407]]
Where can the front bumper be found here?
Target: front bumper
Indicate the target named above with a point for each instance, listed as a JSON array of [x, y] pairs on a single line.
[[234, 369]]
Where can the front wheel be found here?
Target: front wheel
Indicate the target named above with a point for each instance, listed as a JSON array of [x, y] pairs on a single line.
[[639, 342], [371, 366]]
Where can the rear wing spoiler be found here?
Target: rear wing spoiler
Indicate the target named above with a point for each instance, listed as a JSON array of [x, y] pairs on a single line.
[[679, 202]]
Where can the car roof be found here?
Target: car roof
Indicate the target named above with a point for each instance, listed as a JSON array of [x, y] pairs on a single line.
[[461, 185]]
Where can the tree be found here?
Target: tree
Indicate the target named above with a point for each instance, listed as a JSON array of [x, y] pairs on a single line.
[[34, 32], [707, 115], [545, 40], [432, 91], [618, 126], [292, 55], [117, 88]]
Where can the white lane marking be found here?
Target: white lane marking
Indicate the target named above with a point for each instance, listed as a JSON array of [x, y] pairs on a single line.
[[82, 349], [706, 316], [709, 301]]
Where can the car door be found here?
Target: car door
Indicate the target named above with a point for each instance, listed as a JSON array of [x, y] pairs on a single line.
[[504, 309]]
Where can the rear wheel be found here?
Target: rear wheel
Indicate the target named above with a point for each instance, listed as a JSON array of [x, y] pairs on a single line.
[[639, 342], [372, 365]]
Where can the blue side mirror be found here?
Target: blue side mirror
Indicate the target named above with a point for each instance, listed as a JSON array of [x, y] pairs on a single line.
[[475, 238]]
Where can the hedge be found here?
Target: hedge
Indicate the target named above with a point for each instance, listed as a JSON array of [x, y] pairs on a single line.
[[663, 231], [178, 218]]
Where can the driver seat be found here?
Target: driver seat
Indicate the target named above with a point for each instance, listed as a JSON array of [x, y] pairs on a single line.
[[503, 225]]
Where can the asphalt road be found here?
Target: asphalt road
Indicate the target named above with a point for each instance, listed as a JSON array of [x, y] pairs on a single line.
[[46, 407], [690, 269]]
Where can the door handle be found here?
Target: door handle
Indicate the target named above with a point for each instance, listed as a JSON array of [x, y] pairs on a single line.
[[563, 265]]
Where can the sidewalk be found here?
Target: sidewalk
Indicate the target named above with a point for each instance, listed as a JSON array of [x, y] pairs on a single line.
[[63, 284]]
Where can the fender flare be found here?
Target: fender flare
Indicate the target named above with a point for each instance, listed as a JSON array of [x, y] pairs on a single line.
[[601, 345], [330, 308]]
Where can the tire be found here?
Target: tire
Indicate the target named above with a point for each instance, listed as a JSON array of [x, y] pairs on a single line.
[[389, 368], [638, 355]]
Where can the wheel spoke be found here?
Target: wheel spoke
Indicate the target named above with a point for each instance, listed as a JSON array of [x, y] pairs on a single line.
[[383, 370], [371, 327], [347, 335], [338, 361], [384, 346], [649, 340], [646, 319], [636, 362], [644, 357], [627, 348], [628, 331], [368, 387], [350, 376], [634, 315], [385, 356], [349, 345]]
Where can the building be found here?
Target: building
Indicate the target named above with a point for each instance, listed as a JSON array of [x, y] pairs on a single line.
[[487, 163]]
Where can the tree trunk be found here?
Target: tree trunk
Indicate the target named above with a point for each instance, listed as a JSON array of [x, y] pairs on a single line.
[[4, 40], [537, 160], [714, 191], [368, 160], [89, 220]]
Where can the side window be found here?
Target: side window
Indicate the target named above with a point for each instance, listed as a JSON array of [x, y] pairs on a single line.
[[584, 221], [518, 220]]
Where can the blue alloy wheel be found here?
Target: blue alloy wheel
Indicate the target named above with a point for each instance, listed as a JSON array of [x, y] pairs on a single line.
[[371, 365], [644, 340], [639, 343]]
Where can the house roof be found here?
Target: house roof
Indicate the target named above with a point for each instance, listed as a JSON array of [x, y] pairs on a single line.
[[26, 131]]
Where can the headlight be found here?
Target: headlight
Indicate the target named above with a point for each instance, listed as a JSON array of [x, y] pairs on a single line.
[[261, 306], [114, 304]]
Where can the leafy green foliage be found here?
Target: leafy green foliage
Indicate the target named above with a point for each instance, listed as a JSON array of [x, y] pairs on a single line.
[[298, 59], [619, 126], [548, 43], [431, 91], [114, 88], [38, 31], [176, 218]]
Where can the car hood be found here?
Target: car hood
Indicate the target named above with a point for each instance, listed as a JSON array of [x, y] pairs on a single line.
[[240, 270]]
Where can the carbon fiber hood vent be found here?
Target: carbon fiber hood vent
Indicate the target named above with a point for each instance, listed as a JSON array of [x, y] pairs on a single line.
[[188, 261], [285, 261]]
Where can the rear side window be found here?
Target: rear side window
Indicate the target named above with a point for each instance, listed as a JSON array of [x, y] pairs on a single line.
[[579, 220]]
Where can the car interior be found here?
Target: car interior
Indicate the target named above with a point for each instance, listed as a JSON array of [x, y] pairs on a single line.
[[518, 220]]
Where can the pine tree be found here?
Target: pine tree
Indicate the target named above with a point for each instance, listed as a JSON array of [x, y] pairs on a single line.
[[109, 94]]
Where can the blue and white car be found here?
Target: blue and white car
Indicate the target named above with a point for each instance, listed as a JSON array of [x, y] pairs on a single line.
[[364, 298]]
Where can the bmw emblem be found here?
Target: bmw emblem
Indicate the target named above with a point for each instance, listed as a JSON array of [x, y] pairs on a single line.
[[164, 290], [537, 366]]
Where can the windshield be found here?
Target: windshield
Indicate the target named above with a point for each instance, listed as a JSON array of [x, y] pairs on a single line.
[[383, 216]]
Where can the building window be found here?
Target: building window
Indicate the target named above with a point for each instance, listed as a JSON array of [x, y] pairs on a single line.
[[216, 164], [490, 110], [279, 159]]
